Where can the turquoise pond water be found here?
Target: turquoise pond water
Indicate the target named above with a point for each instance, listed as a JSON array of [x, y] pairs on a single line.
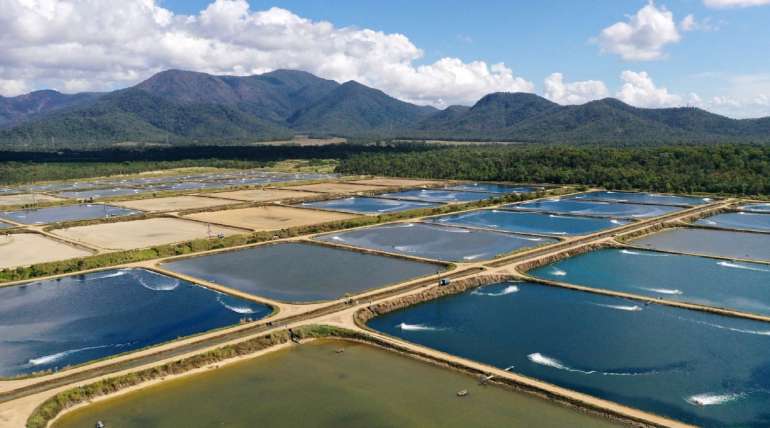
[[528, 222], [301, 272], [713, 282], [718, 243], [434, 195], [51, 324], [646, 198], [66, 213], [741, 220], [692, 366], [602, 209], [436, 242], [361, 205], [492, 188]]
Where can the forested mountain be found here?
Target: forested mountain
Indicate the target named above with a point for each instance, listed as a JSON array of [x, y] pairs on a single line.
[[188, 107]]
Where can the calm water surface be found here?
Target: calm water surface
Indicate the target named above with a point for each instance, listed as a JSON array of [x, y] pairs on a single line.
[[748, 221], [301, 272], [603, 209], [361, 205], [764, 207], [435, 195], [55, 323], [314, 386], [696, 367], [647, 198], [720, 243], [101, 193], [66, 213], [492, 188], [528, 222], [713, 282], [436, 242]]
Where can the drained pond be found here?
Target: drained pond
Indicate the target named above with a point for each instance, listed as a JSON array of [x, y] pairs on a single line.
[[713, 282], [719, 243], [326, 384], [594, 208], [436, 242], [298, 272], [362, 205], [526, 222], [692, 366], [50, 324], [66, 213]]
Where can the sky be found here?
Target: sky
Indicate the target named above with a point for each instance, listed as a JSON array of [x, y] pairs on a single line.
[[713, 54]]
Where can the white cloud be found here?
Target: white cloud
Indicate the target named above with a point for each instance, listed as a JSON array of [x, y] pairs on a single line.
[[75, 45], [639, 90], [11, 87], [690, 23], [644, 37], [724, 4], [573, 93]]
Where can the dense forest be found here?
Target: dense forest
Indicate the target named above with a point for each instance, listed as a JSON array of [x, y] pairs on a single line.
[[731, 169]]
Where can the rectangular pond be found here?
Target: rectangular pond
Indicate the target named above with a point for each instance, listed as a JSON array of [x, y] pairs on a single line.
[[699, 368], [760, 207], [492, 188], [55, 323], [100, 193], [302, 273], [719, 243], [712, 282], [645, 198], [327, 384], [436, 242], [66, 213], [529, 222], [363, 205], [740, 220], [434, 195], [598, 208]]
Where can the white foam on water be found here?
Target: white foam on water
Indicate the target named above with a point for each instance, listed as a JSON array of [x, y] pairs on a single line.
[[547, 361], [710, 222], [712, 399], [741, 266], [165, 283], [474, 256], [558, 272], [109, 275], [614, 221], [707, 199], [405, 248], [417, 327], [648, 254], [724, 327], [49, 359], [668, 291], [337, 238], [629, 308], [526, 238], [504, 292], [235, 308]]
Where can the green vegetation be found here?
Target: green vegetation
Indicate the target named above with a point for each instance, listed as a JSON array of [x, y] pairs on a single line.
[[727, 169]]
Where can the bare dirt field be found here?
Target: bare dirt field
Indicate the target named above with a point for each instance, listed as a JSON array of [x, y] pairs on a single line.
[[269, 217], [26, 199], [339, 187], [24, 249], [129, 235], [397, 182], [267, 195], [302, 140], [174, 203]]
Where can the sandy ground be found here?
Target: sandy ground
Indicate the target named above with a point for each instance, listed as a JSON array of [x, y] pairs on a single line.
[[269, 217], [338, 187], [175, 203], [128, 235], [26, 198], [25, 249], [397, 182], [267, 195]]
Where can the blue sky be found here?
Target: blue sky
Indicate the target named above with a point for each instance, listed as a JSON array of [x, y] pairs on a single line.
[[716, 59]]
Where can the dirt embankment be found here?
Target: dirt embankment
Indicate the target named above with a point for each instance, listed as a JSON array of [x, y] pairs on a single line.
[[555, 257]]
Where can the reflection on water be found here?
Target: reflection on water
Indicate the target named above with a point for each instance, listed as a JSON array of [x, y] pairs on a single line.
[[719, 243], [526, 222]]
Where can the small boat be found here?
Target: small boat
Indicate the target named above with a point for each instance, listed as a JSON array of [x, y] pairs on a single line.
[[462, 393]]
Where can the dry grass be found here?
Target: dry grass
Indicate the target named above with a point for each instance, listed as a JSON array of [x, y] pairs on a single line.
[[267, 195], [26, 199]]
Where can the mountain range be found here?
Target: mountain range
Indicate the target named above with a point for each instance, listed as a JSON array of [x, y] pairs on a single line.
[[181, 107]]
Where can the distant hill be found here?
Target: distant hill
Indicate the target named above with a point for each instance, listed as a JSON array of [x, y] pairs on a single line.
[[178, 106]]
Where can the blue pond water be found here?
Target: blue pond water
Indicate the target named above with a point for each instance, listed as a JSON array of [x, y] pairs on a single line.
[[369, 205], [721, 283], [4, 225], [66, 213], [719, 243], [696, 367], [433, 195], [763, 207], [54, 323], [528, 222], [492, 188], [100, 193], [742, 220], [603, 209], [647, 198], [436, 242], [301, 272]]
